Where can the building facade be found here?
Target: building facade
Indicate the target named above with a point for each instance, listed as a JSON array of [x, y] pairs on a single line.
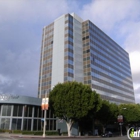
[[77, 50], [24, 113]]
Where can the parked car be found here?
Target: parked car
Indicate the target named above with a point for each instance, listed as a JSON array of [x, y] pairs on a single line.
[[107, 134]]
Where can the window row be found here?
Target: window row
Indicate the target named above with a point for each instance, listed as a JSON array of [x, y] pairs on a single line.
[[24, 111], [47, 61], [110, 60], [101, 34], [110, 66], [108, 54], [47, 68], [110, 85], [46, 75], [46, 83], [28, 124], [111, 74], [110, 93], [103, 42], [69, 39], [114, 80]]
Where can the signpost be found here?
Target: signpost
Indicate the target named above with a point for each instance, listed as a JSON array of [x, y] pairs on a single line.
[[44, 107], [120, 121]]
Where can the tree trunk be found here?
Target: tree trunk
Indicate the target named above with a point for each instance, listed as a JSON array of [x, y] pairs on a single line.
[[79, 133], [79, 130], [93, 127], [69, 126], [103, 129], [126, 127]]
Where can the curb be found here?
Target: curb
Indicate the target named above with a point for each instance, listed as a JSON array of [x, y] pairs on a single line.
[[49, 137], [53, 137]]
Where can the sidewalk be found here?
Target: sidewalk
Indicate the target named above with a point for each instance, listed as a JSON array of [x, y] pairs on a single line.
[[41, 137]]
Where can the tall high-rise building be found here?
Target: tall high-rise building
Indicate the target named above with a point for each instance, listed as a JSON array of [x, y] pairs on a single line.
[[77, 50]]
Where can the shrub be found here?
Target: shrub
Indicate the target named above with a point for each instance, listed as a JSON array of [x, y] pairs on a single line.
[[16, 131], [38, 132], [2, 130], [28, 132], [65, 133], [51, 133]]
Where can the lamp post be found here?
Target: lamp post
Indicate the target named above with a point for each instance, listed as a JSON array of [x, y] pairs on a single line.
[[44, 128], [121, 129], [120, 120]]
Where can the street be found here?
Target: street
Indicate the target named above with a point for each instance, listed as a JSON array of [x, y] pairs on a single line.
[[81, 138]]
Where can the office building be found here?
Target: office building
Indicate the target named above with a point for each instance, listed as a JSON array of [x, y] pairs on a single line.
[[77, 50]]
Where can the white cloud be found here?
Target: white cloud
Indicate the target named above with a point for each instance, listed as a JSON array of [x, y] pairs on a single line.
[[32, 10], [135, 62], [4, 80], [136, 86], [137, 93], [21, 23], [132, 41], [107, 14]]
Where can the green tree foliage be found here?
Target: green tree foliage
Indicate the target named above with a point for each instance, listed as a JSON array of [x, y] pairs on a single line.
[[130, 112], [87, 123], [108, 113], [72, 101]]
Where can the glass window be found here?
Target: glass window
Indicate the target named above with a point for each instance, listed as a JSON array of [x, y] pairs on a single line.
[[54, 124], [48, 113], [51, 124], [17, 110], [36, 111], [40, 114], [27, 111], [48, 125], [9, 110], [20, 108], [35, 124], [16, 124], [5, 123], [27, 124], [39, 124], [4, 113], [6, 110], [30, 111]]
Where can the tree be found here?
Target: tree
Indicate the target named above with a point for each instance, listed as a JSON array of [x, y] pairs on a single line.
[[71, 101], [87, 123], [130, 112], [108, 113]]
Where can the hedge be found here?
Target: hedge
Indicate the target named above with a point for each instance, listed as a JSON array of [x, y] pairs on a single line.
[[28, 132], [16, 131], [49, 133], [4, 130]]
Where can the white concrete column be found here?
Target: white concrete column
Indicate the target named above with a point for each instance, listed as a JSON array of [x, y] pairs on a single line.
[[12, 109], [32, 122]]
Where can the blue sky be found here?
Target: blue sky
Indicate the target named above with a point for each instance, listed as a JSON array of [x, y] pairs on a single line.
[[21, 23]]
